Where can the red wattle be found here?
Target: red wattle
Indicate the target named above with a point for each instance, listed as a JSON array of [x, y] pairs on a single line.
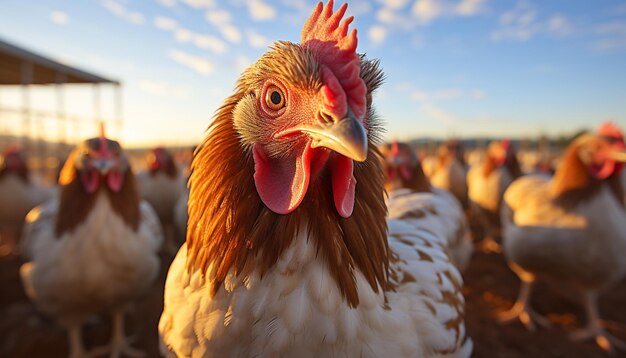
[[115, 180], [604, 171], [344, 184], [91, 181], [281, 182]]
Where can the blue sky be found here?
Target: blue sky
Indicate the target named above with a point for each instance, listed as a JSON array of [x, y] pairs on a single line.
[[454, 67]]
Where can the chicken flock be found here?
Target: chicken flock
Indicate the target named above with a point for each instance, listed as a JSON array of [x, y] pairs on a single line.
[[300, 233]]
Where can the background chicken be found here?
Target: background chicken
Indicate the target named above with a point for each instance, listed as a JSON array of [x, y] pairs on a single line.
[[287, 251], [95, 248], [413, 199], [17, 196], [570, 229], [448, 171], [161, 186], [486, 185]]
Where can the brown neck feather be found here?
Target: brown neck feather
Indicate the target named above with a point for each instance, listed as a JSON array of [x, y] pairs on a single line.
[[489, 165], [512, 165], [572, 174], [231, 230], [75, 204]]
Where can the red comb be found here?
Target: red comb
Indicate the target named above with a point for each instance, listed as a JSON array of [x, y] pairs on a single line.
[[609, 129], [327, 36], [395, 148], [104, 148]]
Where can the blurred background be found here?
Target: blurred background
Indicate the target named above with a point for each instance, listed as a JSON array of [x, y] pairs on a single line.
[[460, 74], [156, 71]]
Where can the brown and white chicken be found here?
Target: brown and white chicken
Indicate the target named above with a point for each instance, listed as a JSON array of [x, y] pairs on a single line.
[[413, 199], [94, 249], [18, 195], [570, 229], [288, 250], [448, 171], [162, 185], [486, 184]]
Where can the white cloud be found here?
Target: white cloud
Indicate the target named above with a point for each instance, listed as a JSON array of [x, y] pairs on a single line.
[[260, 11], [377, 34], [427, 10], [440, 114], [559, 25], [231, 33], [59, 17], [209, 42], [120, 11], [469, 7], [200, 4], [168, 3], [198, 64], [522, 23], [393, 4], [206, 42], [218, 17], [160, 88], [165, 23], [612, 28], [395, 18], [613, 36], [256, 40], [184, 35], [222, 20]]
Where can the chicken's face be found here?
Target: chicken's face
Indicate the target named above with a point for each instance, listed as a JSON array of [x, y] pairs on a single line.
[[602, 155], [100, 161], [303, 112], [13, 162], [400, 161], [499, 151], [160, 159]]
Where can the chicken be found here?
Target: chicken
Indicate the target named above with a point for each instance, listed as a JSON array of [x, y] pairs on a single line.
[[448, 171], [486, 184], [94, 249], [161, 186], [413, 199], [288, 248], [18, 196], [570, 229]]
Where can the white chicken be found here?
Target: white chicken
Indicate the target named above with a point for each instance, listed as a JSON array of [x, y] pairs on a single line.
[[449, 172], [486, 185], [161, 186], [18, 195], [94, 249], [570, 229], [413, 199], [288, 250]]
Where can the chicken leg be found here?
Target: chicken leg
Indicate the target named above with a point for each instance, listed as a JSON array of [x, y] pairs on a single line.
[[521, 309], [594, 327]]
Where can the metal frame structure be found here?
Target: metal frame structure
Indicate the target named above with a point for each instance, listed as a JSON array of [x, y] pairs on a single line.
[[20, 67]]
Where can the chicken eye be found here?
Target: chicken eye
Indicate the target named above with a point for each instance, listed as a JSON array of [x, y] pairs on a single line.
[[274, 98]]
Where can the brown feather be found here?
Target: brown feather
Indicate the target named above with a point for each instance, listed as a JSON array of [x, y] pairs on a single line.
[[572, 174], [75, 203], [231, 230]]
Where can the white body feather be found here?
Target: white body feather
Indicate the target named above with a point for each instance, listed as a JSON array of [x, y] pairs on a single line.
[[161, 191], [101, 264], [451, 177], [487, 191], [17, 198], [296, 309], [583, 245], [437, 212]]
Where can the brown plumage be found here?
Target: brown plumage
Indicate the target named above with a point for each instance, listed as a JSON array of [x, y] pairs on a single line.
[[356, 242], [75, 203]]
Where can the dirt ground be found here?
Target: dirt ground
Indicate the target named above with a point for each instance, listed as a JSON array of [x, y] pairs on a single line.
[[490, 287]]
